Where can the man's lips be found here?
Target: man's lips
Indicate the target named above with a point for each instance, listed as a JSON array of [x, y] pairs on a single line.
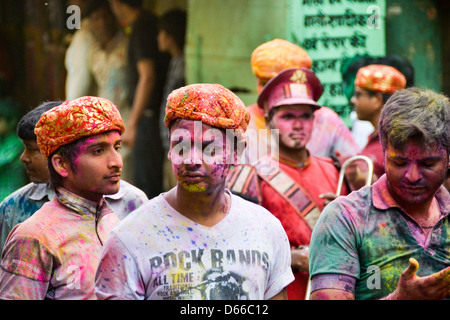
[[114, 177], [297, 135], [414, 187]]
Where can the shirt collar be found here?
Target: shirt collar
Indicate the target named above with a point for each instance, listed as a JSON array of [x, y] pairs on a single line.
[[293, 163], [119, 195], [80, 205], [42, 190], [383, 200]]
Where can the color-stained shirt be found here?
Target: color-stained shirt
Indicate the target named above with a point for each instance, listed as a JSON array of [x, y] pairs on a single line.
[[157, 253], [363, 242], [316, 176], [23, 203], [54, 254]]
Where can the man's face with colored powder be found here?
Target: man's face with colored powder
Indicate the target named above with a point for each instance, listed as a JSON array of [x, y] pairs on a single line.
[[96, 168], [295, 124], [35, 163], [198, 153], [415, 173]]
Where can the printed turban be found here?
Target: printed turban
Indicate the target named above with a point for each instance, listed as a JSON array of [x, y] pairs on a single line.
[[380, 78], [74, 119], [212, 104], [271, 57]]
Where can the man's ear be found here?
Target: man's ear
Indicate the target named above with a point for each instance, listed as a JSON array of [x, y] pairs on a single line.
[[60, 165], [379, 101]]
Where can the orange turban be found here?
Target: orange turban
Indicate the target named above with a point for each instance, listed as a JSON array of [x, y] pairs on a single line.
[[74, 119], [380, 78], [212, 104], [274, 56]]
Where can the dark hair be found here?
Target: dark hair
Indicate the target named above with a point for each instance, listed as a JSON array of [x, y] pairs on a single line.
[[133, 3], [174, 23], [384, 96], [350, 67], [94, 5], [401, 64], [414, 113], [25, 127]]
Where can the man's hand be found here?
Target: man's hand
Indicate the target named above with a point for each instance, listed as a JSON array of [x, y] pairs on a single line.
[[328, 197], [299, 258], [411, 287]]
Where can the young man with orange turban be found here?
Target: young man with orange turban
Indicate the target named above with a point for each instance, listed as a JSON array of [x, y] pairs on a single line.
[[290, 183], [374, 84], [54, 253], [198, 241]]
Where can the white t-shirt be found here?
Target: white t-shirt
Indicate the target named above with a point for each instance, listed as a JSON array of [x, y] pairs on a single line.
[[157, 253]]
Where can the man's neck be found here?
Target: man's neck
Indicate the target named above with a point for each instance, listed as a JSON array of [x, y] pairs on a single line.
[[130, 15], [296, 156], [206, 209], [417, 211], [175, 52]]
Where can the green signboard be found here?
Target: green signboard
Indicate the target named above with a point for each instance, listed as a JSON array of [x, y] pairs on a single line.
[[334, 30]]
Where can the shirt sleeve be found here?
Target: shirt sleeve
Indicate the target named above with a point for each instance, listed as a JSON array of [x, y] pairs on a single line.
[[333, 248], [117, 276], [281, 273], [26, 269], [333, 281]]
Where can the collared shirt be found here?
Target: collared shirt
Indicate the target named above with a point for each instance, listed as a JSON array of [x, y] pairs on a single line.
[[363, 242], [54, 254], [23, 203]]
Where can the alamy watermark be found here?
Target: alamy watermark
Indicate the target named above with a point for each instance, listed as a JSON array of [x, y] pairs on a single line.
[[373, 22], [74, 20]]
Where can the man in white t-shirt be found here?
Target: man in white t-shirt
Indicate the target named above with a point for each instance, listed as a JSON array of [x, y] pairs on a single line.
[[198, 241]]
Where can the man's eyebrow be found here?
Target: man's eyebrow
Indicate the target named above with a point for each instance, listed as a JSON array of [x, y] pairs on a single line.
[[103, 144], [430, 158]]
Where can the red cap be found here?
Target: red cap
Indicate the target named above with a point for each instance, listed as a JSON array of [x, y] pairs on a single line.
[[291, 86]]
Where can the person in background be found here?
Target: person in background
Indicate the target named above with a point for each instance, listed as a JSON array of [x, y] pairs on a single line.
[[171, 39], [350, 66], [374, 84], [147, 70], [390, 240], [24, 202], [290, 183], [332, 138], [107, 63], [198, 232], [79, 79]]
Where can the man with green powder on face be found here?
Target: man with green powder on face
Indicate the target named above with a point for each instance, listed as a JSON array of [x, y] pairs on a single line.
[[391, 240]]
